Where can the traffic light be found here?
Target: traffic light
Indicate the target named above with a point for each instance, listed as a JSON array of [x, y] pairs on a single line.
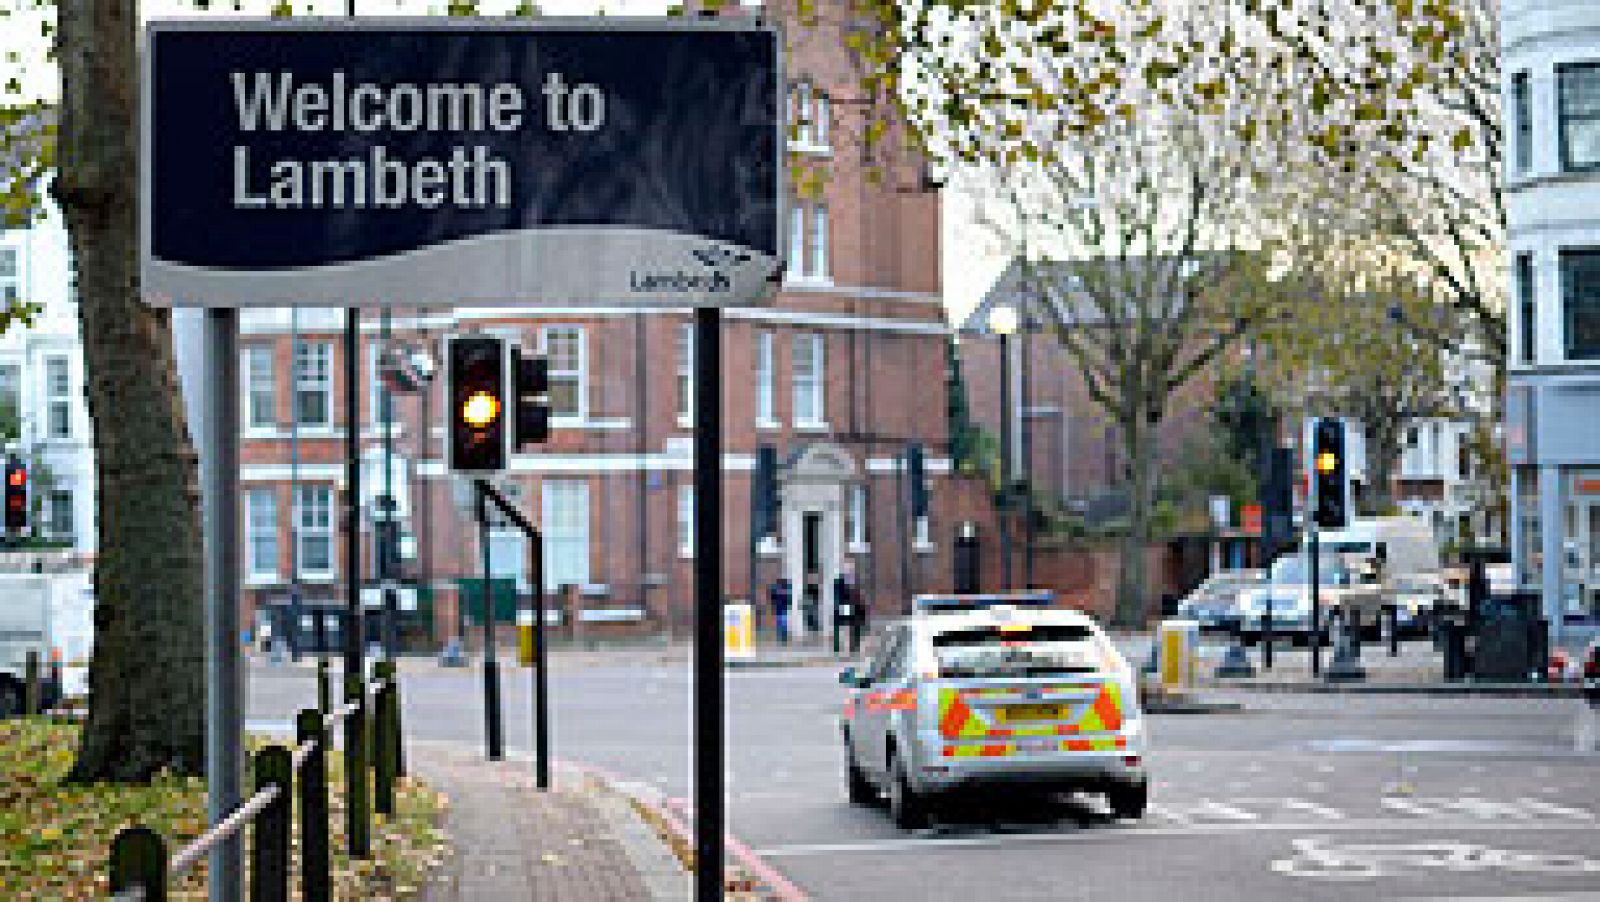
[[917, 481], [765, 490], [476, 395], [532, 396], [16, 496], [1330, 480]]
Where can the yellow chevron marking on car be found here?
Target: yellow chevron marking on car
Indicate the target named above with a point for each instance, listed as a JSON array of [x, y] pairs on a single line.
[[957, 720]]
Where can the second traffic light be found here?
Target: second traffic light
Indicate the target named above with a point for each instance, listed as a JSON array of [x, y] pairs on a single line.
[[1330, 474], [531, 399]]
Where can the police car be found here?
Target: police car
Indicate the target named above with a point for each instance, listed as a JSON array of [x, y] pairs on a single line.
[[996, 692]]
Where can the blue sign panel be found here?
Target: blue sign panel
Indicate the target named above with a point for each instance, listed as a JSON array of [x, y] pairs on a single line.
[[429, 161]]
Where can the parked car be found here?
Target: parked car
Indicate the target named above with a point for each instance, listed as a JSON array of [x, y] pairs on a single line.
[[1215, 602], [1415, 596], [1287, 591]]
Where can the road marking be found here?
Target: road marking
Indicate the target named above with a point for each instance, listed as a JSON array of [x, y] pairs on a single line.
[[1322, 811], [1486, 809], [1203, 810], [1316, 858], [1120, 833]]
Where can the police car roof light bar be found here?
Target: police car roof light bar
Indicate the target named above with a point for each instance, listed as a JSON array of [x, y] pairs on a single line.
[[931, 604]]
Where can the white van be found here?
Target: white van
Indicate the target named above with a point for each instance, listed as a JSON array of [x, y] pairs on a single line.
[[52, 615]]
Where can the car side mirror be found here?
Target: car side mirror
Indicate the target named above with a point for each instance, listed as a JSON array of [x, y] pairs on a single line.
[[852, 678]]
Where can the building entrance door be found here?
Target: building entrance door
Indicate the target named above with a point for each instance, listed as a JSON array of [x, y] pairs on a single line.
[[1582, 552], [812, 497]]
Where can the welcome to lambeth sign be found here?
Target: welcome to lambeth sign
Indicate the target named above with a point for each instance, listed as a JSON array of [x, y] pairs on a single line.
[[342, 162]]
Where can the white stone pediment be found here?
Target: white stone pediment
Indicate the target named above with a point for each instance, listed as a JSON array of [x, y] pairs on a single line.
[[821, 462]]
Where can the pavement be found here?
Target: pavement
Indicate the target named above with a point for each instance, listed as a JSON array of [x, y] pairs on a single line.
[[579, 840], [1290, 796]]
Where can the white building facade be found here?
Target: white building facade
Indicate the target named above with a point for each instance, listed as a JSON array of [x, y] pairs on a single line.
[[1551, 72], [42, 379]]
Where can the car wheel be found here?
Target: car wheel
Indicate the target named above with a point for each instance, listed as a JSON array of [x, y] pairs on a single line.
[[858, 788], [1128, 800], [10, 700], [906, 808]]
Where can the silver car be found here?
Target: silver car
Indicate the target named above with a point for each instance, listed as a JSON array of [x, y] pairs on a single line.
[[975, 692]]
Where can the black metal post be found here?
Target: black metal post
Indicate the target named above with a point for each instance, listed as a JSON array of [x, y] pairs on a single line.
[[708, 677], [383, 740], [324, 703], [1394, 630], [358, 831], [139, 862], [32, 688], [388, 548], [315, 879], [269, 855], [358, 813], [907, 528], [541, 696], [491, 665], [1316, 604], [1005, 461], [1266, 636]]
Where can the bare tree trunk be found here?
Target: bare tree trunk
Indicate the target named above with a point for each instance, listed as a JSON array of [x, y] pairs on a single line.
[[146, 677], [1132, 578]]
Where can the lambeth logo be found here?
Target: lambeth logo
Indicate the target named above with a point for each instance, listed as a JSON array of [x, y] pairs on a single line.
[[682, 281], [719, 256]]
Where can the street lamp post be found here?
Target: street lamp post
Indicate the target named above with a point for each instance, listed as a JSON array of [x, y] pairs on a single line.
[[1003, 322]]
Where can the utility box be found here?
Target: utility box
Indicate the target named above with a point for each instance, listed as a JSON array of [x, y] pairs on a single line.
[[1177, 644]]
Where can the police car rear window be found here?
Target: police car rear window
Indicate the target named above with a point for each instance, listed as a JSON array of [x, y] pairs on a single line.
[[1020, 650]]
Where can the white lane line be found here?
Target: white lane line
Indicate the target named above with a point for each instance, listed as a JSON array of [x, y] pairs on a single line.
[[912, 844], [1322, 811]]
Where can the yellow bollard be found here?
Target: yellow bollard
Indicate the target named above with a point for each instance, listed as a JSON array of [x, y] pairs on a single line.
[[525, 638]]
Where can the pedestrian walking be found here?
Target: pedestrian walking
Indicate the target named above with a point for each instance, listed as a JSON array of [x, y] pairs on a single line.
[[781, 597], [848, 613]]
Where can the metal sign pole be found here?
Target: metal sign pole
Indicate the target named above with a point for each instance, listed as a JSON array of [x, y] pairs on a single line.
[[224, 671], [541, 696], [708, 701]]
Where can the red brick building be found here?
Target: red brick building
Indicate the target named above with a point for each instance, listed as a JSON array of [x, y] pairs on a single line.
[[838, 375]]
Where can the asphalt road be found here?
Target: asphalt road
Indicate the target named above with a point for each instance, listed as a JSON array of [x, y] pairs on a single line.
[[1298, 796]]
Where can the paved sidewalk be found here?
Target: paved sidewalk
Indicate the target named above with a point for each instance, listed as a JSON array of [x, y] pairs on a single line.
[[579, 841]]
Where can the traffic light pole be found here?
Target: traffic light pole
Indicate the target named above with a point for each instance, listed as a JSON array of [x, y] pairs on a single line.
[[708, 688], [491, 665], [1316, 602], [541, 706]]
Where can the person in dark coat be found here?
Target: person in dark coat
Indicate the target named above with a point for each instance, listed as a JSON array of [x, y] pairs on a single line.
[[848, 612], [782, 599]]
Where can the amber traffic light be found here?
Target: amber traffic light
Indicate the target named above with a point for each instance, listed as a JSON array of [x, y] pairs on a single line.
[[1330, 483], [476, 390]]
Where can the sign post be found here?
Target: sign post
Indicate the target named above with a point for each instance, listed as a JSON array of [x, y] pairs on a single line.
[[420, 162]]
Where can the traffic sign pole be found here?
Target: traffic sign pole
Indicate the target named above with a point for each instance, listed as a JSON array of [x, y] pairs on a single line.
[[708, 688]]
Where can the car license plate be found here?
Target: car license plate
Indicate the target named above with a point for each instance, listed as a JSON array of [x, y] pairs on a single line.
[[1036, 746], [1032, 713]]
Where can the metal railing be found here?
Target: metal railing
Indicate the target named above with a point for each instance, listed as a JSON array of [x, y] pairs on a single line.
[[141, 868]]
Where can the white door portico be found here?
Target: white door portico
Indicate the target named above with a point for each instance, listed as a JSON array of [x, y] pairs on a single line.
[[812, 492]]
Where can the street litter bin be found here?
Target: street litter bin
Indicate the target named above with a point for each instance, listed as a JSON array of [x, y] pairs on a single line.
[[1178, 642]]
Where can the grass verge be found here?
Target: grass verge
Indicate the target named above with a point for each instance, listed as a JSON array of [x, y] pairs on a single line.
[[55, 839]]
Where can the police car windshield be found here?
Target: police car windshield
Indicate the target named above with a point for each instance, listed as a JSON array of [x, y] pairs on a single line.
[[1015, 650]]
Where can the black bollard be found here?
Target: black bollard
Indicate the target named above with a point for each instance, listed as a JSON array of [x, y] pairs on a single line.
[[269, 854], [139, 863], [316, 882], [1266, 637]]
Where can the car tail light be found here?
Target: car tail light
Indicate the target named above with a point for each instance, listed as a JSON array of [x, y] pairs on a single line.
[[1131, 760], [1591, 668]]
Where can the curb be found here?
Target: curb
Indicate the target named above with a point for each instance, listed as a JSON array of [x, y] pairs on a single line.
[[1459, 690], [652, 799]]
